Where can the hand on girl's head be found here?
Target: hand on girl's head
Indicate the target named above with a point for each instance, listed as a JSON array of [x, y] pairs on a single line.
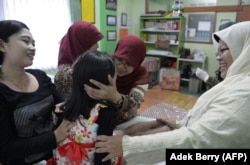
[[112, 80]]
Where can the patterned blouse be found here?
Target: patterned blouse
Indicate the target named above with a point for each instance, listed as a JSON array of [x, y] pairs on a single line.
[[212, 81], [63, 79], [79, 148], [128, 107]]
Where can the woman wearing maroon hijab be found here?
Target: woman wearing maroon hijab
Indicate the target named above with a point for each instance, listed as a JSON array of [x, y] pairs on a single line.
[[81, 36], [127, 93]]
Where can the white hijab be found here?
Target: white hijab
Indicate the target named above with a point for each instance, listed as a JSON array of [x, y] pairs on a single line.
[[237, 37], [220, 117]]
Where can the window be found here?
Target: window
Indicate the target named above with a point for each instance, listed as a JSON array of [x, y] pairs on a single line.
[[48, 21]]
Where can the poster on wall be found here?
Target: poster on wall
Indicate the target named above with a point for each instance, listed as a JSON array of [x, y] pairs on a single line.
[[111, 20], [200, 27], [123, 19], [111, 35], [123, 32], [111, 4], [88, 10]]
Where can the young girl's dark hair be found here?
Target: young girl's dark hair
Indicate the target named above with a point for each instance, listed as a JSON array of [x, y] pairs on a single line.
[[7, 29], [90, 65]]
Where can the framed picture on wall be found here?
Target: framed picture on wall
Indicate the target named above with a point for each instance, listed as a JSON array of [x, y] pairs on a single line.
[[111, 4], [124, 19], [111, 35], [111, 20], [200, 27]]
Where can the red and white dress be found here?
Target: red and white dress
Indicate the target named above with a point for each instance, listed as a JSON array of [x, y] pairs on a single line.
[[78, 149]]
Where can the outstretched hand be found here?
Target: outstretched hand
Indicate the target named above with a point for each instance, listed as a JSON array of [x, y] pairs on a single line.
[[169, 122], [109, 144], [105, 92]]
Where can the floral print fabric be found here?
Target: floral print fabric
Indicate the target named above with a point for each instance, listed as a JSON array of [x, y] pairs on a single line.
[[78, 149]]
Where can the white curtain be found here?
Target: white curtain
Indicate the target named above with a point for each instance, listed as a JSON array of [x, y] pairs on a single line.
[[48, 21]]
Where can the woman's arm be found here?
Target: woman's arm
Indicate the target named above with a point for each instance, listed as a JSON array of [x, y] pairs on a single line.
[[130, 104], [223, 124], [63, 80], [150, 127], [10, 143], [127, 105]]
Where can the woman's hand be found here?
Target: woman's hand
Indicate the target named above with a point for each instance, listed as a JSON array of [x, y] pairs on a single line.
[[169, 122], [105, 92], [63, 130], [109, 144], [139, 128]]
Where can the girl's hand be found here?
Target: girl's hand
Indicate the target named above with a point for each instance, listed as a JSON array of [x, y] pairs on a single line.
[[63, 130]]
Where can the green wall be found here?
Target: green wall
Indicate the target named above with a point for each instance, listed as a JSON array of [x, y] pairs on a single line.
[[133, 9], [105, 45], [137, 7]]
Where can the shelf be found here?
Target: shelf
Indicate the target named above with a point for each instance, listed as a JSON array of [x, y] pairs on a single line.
[[198, 62], [157, 55], [160, 18], [151, 15], [185, 79], [151, 42], [153, 30], [171, 29], [162, 53], [191, 60]]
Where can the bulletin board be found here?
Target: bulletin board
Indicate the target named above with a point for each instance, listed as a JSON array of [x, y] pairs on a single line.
[[200, 27], [88, 10]]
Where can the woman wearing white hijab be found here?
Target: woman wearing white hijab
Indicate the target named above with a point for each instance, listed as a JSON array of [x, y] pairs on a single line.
[[219, 119]]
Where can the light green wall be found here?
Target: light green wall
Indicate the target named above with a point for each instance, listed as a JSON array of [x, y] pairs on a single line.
[[135, 8], [105, 45]]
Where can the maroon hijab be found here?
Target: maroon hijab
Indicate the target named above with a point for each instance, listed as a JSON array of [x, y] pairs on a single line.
[[80, 37], [133, 50]]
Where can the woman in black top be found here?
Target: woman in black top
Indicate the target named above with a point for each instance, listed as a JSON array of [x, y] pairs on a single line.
[[27, 99]]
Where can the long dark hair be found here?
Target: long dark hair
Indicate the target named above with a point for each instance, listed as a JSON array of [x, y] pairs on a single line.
[[90, 65], [7, 29]]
